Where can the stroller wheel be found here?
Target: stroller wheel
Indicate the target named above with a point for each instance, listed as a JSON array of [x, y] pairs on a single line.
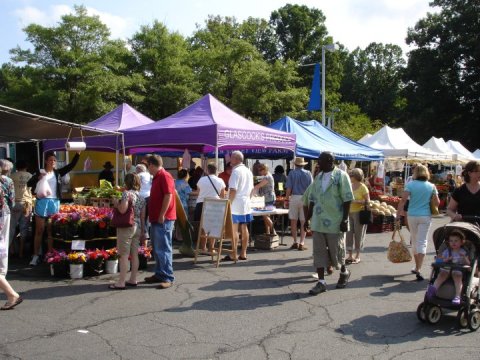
[[433, 314], [421, 312], [462, 317], [474, 320]]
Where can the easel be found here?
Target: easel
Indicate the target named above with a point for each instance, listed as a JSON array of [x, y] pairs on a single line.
[[216, 223]]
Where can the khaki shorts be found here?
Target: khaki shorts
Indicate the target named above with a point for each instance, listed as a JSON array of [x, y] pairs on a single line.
[[295, 208], [128, 240], [328, 249]]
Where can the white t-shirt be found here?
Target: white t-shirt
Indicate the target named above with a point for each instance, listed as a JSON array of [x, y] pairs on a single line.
[[242, 181], [145, 184], [326, 180], [206, 188], [52, 181]]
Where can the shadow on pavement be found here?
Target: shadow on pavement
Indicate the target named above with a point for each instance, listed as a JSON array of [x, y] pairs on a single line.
[[372, 329]]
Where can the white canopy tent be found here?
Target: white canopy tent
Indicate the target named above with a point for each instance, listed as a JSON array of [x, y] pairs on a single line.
[[396, 144], [476, 153], [364, 137], [439, 145], [462, 153]]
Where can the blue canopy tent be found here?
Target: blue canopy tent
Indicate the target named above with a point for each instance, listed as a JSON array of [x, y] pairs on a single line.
[[314, 138]]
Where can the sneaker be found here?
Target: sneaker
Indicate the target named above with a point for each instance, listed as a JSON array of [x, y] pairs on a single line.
[[318, 288], [294, 246], [164, 285], [315, 276], [456, 300], [35, 260], [431, 291], [419, 276], [343, 279], [302, 247]]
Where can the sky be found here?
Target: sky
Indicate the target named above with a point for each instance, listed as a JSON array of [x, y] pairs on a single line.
[[353, 23]]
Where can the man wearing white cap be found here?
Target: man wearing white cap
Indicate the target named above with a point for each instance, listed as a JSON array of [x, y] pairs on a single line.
[[298, 181]]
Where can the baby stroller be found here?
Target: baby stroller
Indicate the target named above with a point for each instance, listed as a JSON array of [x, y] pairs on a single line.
[[468, 312]]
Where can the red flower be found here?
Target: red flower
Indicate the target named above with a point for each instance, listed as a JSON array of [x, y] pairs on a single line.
[[102, 224]]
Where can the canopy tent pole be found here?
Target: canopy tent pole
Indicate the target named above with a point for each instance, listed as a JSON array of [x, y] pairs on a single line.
[[216, 156], [38, 154], [123, 150]]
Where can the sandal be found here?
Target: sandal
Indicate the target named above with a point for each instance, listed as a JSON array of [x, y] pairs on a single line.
[[242, 258], [349, 260], [10, 306], [355, 261], [227, 258], [115, 287], [131, 284]]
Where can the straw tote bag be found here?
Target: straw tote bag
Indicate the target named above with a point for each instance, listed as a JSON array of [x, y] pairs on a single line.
[[397, 250]]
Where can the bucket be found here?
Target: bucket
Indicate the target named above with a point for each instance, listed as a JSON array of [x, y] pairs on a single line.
[[76, 271], [111, 266]]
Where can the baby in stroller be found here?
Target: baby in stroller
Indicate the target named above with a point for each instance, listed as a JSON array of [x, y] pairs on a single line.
[[455, 253]]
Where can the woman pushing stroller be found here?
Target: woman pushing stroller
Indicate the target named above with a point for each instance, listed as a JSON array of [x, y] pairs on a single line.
[[456, 254]]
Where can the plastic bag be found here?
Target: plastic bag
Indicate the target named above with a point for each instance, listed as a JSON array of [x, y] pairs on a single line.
[[43, 188], [87, 164]]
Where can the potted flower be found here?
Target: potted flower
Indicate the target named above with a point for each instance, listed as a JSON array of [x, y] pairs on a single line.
[[57, 260], [102, 227], [144, 255], [111, 263], [88, 224], [95, 262], [65, 225], [76, 260]]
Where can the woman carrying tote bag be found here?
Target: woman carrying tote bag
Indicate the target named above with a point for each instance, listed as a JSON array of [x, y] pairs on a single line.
[[356, 234], [129, 238]]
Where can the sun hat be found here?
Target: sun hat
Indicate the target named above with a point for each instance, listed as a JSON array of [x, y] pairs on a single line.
[[300, 161]]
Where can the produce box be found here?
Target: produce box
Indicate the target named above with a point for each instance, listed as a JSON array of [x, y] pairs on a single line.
[[266, 241]]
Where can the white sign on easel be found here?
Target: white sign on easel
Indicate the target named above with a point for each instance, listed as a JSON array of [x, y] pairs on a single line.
[[213, 217]]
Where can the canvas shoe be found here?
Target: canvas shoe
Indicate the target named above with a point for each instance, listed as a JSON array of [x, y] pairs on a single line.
[[35, 260], [318, 288], [343, 279], [164, 285], [456, 300]]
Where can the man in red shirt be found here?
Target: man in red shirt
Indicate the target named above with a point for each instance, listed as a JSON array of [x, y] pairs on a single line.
[[162, 215], [225, 175]]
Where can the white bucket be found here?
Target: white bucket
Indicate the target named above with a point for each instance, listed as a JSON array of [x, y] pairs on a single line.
[[75, 146], [111, 266], [76, 271]]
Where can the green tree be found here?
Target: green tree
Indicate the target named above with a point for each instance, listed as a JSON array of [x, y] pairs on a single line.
[[373, 81], [163, 62], [74, 72], [443, 90], [232, 69], [301, 31]]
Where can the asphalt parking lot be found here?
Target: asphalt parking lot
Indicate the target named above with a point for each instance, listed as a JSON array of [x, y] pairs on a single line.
[[257, 309]]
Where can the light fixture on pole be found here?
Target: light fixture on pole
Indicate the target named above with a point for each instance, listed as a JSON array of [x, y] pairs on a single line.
[[329, 47], [331, 121]]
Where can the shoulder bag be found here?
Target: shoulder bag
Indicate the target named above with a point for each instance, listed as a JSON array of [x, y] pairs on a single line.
[[433, 208], [125, 220], [211, 182], [397, 250], [365, 215]]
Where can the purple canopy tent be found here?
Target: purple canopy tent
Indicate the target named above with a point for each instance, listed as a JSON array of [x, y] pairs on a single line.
[[119, 119], [206, 126]]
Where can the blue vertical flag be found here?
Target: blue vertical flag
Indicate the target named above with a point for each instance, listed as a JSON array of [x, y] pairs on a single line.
[[315, 102]]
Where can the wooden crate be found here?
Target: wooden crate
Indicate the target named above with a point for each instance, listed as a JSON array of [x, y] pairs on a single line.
[[266, 241]]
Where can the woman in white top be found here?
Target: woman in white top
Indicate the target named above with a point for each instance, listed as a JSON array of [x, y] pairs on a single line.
[[209, 186], [145, 186]]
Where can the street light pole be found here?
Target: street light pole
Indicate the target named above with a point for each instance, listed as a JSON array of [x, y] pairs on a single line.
[[329, 47]]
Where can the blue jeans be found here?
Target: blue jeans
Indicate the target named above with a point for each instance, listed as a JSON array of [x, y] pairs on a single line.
[[161, 236]]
